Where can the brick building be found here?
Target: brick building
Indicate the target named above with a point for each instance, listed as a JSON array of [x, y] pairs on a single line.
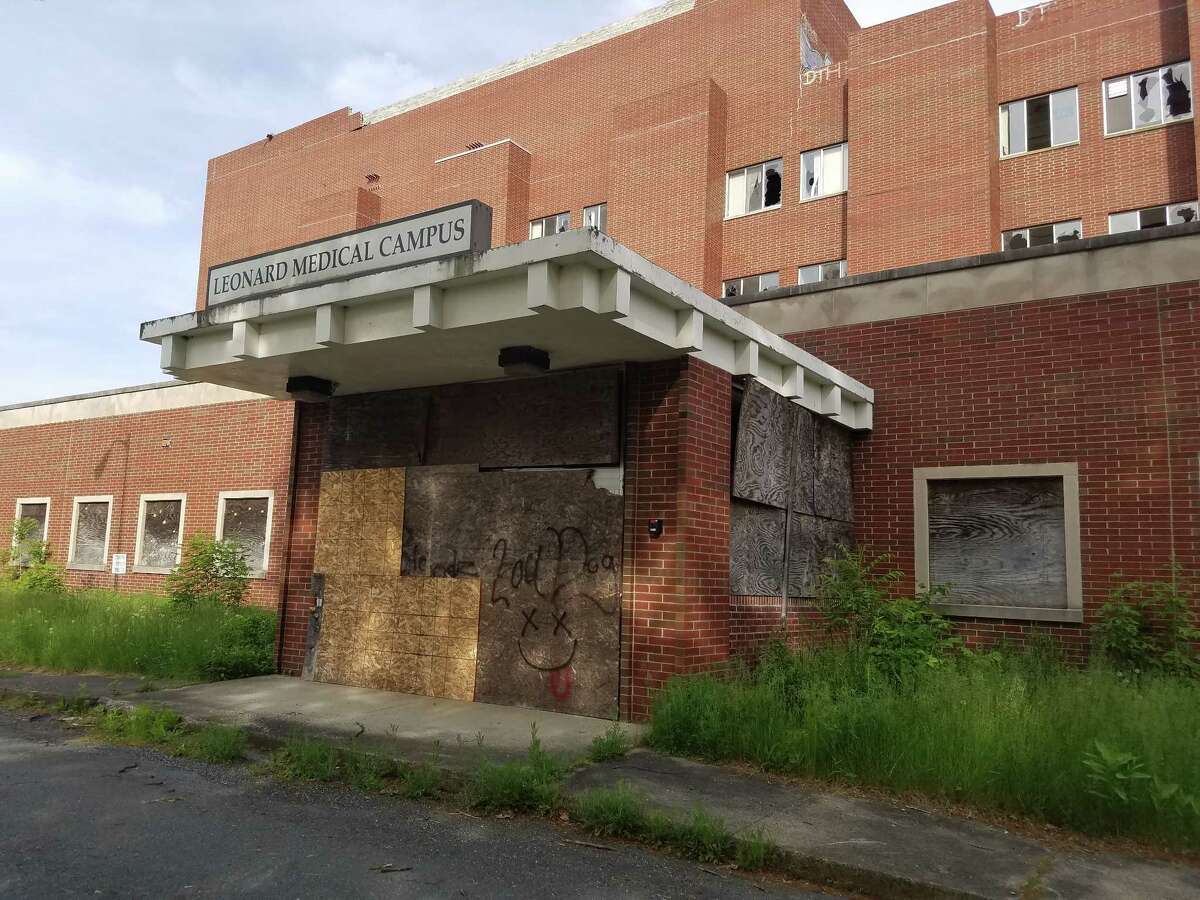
[[957, 289]]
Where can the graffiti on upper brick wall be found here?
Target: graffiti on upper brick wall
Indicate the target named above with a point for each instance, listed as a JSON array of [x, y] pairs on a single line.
[[1032, 13]]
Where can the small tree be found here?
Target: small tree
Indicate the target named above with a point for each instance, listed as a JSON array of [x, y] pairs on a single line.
[[852, 586], [1150, 626], [27, 559], [211, 572]]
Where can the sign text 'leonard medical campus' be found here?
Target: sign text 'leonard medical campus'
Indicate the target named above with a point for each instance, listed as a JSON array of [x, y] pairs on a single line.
[[466, 228]]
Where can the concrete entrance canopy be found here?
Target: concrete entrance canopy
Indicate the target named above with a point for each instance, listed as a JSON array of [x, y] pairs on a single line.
[[580, 296]]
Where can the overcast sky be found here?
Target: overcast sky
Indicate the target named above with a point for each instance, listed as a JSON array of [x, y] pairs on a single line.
[[112, 108]]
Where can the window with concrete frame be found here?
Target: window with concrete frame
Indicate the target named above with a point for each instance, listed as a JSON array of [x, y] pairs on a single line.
[[91, 518], [1002, 540], [596, 217], [244, 518], [160, 532], [549, 225], [1041, 235], [1154, 217], [1038, 123], [1146, 99], [824, 172], [752, 284], [819, 272], [754, 189], [36, 510]]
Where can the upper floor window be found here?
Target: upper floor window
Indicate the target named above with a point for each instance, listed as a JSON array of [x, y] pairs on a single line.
[[555, 224], [1146, 99], [1036, 123], [754, 188], [822, 272], [596, 217], [1153, 217], [752, 284], [824, 172], [1041, 235]]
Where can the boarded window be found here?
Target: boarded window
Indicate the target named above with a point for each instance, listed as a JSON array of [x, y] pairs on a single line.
[[91, 534], [245, 522], [161, 524], [999, 541]]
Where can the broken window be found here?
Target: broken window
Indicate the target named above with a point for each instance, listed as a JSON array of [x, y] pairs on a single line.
[[1041, 235], [596, 217], [160, 532], [1154, 217], [246, 521], [36, 512], [824, 172], [1146, 99], [555, 224], [754, 188], [89, 533], [810, 57], [1038, 123], [819, 272], [751, 284]]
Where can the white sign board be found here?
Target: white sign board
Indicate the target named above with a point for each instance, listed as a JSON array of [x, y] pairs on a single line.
[[120, 563], [466, 228]]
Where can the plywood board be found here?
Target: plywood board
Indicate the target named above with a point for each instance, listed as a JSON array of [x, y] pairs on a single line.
[[804, 463], [414, 635], [762, 466], [360, 522], [999, 542], [377, 431], [756, 550], [813, 540], [563, 419], [834, 484], [546, 547]]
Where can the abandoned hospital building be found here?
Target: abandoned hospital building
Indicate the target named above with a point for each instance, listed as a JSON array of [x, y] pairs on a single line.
[[547, 385]]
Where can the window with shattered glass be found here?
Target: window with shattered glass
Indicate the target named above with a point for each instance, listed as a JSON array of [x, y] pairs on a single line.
[[245, 521], [1147, 99], [1039, 123], [754, 188], [1042, 235], [810, 57], [162, 522], [1154, 217], [751, 284], [36, 512], [824, 172], [596, 217], [549, 225], [90, 546]]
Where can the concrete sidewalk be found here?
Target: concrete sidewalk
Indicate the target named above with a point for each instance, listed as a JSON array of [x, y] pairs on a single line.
[[888, 848]]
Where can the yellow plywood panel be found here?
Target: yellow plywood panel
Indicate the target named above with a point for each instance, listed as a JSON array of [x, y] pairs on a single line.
[[360, 523]]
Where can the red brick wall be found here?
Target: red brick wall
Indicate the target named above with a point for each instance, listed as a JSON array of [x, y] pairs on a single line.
[[676, 588], [1108, 381], [199, 451]]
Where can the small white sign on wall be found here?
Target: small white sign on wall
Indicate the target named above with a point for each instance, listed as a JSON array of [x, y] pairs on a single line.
[[120, 563]]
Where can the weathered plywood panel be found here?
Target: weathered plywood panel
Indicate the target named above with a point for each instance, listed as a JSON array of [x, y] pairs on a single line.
[[834, 484], [546, 547], [360, 522], [377, 431], [812, 541], [564, 419], [804, 462], [756, 550], [999, 542], [762, 466], [414, 635]]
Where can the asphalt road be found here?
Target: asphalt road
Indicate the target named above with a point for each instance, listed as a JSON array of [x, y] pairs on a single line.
[[85, 820]]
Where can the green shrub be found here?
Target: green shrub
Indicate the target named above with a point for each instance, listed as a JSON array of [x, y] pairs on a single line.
[[531, 785], [27, 560], [615, 743], [851, 587], [210, 572], [1149, 626], [245, 646], [906, 635]]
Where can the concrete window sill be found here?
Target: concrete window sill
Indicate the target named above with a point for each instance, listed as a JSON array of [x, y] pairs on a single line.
[[1022, 613]]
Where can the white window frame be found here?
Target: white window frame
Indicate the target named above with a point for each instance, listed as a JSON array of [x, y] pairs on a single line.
[[742, 285], [1168, 208], [541, 223], [1054, 225], [29, 501], [742, 174], [141, 528], [840, 263], [269, 496], [1024, 102], [76, 502], [597, 207], [1069, 473], [844, 147], [1104, 83]]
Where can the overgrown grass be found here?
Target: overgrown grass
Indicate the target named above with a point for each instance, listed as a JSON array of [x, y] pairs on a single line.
[[308, 759], [622, 812], [103, 631], [615, 743], [1005, 732], [164, 729], [530, 785]]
